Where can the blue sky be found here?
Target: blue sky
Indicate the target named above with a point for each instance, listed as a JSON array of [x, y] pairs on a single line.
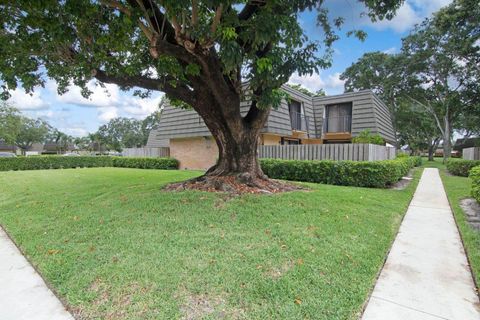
[[75, 115]]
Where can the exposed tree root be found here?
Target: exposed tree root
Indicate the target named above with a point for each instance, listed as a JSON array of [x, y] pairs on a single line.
[[234, 184]]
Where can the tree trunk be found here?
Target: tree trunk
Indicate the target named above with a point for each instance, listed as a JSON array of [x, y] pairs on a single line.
[[447, 144], [237, 168]]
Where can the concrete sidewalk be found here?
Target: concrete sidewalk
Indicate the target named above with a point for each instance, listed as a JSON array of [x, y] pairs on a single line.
[[23, 293], [426, 275]]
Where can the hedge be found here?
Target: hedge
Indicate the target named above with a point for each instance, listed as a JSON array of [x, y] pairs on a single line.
[[59, 162], [475, 176], [378, 174], [459, 167]]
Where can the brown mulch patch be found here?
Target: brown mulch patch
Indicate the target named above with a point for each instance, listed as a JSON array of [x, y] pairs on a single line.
[[232, 185]]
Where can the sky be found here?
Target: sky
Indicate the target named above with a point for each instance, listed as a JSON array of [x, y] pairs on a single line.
[[77, 116]]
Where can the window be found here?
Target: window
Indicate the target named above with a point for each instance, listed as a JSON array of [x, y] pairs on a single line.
[[338, 117], [290, 141], [296, 116]]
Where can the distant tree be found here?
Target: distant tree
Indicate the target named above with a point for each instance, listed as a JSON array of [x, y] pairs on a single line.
[[367, 137], [61, 140], [444, 57], [299, 87], [151, 121], [31, 131], [82, 143], [10, 121], [417, 128], [120, 133], [383, 74]]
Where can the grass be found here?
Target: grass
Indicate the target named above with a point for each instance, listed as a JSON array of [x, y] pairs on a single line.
[[458, 188], [113, 245]]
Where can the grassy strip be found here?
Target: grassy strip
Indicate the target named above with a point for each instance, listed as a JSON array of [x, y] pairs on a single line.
[[458, 188], [113, 245]]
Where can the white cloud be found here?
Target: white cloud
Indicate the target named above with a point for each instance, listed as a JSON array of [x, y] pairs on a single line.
[[390, 50], [110, 101], [312, 83], [75, 131], [405, 18], [410, 13], [331, 83], [101, 97], [140, 108], [25, 101], [107, 114]]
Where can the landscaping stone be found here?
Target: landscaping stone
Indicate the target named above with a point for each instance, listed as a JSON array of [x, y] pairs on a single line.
[[472, 211]]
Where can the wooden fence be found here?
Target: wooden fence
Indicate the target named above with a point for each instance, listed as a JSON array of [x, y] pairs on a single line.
[[471, 153], [354, 152], [146, 152]]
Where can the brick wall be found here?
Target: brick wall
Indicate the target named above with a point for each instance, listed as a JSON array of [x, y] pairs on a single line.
[[194, 153]]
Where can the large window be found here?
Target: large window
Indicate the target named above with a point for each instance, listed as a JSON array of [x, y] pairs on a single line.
[[338, 117], [296, 116]]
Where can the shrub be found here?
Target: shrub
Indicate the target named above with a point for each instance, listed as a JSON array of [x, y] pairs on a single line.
[[475, 176], [377, 174], [49, 162], [460, 167], [367, 137], [145, 163]]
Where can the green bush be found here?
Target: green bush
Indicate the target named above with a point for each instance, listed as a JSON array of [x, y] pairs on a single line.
[[460, 167], [367, 137], [145, 163], [378, 174], [49, 162], [475, 176]]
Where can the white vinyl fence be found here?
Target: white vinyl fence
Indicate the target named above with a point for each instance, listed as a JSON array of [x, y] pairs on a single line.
[[354, 152], [471, 153], [146, 152]]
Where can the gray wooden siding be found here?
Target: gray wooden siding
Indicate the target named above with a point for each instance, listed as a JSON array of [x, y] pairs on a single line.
[[368, 112], [471, 153], [154, 142], [384, 120], [346, 151], [146, 152]]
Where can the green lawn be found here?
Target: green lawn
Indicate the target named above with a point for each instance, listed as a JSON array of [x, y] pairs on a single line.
[[113, 245], [459, 188]]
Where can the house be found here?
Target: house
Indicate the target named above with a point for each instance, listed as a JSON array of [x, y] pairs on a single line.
[[301, 120]]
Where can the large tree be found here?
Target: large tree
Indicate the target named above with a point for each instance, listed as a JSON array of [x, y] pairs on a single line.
[[10, 120], [200, 53], [120, 133], [31, 131], [444, 57]]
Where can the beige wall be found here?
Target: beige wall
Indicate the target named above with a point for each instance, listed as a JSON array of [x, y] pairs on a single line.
[[270, 139], [202, 152], [194, 153]]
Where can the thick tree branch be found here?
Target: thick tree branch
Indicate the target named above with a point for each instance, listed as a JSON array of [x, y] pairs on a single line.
[[178, 91], [250, 9]]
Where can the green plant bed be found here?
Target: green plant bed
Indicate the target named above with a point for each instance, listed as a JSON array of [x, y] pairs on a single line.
[[475, 177], [113, 245], [377, 174], [460, 167]]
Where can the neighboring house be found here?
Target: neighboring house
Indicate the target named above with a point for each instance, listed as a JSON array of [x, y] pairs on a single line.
[[7, 148], [463, 143], [302, 120]]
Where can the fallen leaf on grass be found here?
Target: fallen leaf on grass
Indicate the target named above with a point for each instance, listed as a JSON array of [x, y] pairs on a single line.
[[298, 301], [53, 251]]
